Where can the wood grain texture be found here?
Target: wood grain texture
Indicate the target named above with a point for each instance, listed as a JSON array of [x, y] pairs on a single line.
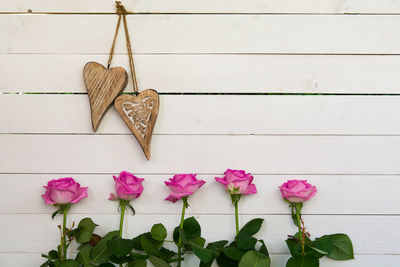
[[182, 34], [199, 153], [103, 86], [347, 74], [289, 115], [140, 113], [212, 199], [206, 6]]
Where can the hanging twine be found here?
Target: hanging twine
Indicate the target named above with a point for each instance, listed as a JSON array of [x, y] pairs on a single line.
[[121, 11]]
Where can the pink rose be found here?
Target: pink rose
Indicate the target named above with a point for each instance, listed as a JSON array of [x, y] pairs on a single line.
[[296, 191], [64, 191], [183, 185], [238, 182], [127, 186]]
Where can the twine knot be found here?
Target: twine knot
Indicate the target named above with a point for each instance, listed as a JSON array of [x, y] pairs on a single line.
[[120, 8]]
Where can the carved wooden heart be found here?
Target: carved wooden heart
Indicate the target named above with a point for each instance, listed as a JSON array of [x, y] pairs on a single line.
[[103, 86], [140, 114]]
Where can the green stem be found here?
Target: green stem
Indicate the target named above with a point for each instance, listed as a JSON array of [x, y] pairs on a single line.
[[299, 227], [121, 220], [237, 217], [181, 227], [64, 241]]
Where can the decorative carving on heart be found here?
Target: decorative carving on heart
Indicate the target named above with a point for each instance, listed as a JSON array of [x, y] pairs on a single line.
[[103, 86], [139, 114]]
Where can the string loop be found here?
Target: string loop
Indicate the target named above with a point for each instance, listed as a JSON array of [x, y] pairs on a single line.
[[121, 11]]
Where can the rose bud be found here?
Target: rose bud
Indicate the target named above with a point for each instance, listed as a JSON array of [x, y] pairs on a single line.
[[296, 191], [183, 185]]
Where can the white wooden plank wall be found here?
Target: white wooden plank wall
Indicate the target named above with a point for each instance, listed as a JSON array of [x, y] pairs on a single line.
[[281, 88]]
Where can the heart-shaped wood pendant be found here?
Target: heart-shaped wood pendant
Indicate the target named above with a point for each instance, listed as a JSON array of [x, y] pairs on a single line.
[[103, 86], [140, 114]]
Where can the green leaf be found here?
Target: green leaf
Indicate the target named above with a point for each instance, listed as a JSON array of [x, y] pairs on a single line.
[[106, 265], [246, 241], [100, 253], [252, 227], [137, 241], [208, 264], [158, 232], [157, 262], [53, 254], [191, 228], [263, 249], [55, 213], [119, 247], [342, 247], [85, 230], [293, 210], [320, 247], [167, 254], [120, 260], [199, 241], [137, 256], [137, 263], [233, 253], [84, 255], [217, 245], [149, 247], [302, 261], [294, 247], [224, 261], [254, 258], [204, 254], [69, 263]]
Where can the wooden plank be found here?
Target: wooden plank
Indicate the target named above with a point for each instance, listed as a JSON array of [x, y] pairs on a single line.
[[361, 229], [210, 73], [279, 115], [354, 198], [203, 34], [206, 6], [200, 153], [277, 260]]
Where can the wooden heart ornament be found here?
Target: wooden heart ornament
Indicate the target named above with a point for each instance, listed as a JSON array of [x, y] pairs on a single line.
[[140, 114], [103, 86]]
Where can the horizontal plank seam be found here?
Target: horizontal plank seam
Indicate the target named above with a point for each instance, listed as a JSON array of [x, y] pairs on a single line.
[[212, 93], [207, 54], [346, 13], [196, 134]]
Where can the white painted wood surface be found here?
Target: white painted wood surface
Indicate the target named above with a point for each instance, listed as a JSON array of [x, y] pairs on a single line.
[[345, 143], [206, 6], [199, 153], [323, 34], [212, 114], [211, 73]]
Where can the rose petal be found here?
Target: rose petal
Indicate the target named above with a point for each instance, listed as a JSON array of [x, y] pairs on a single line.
[[82, 193]]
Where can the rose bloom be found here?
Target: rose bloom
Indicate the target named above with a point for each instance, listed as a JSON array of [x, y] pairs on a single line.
[[64, 191], [238, 182], [183, 185], [296, 191], [127, 186]]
